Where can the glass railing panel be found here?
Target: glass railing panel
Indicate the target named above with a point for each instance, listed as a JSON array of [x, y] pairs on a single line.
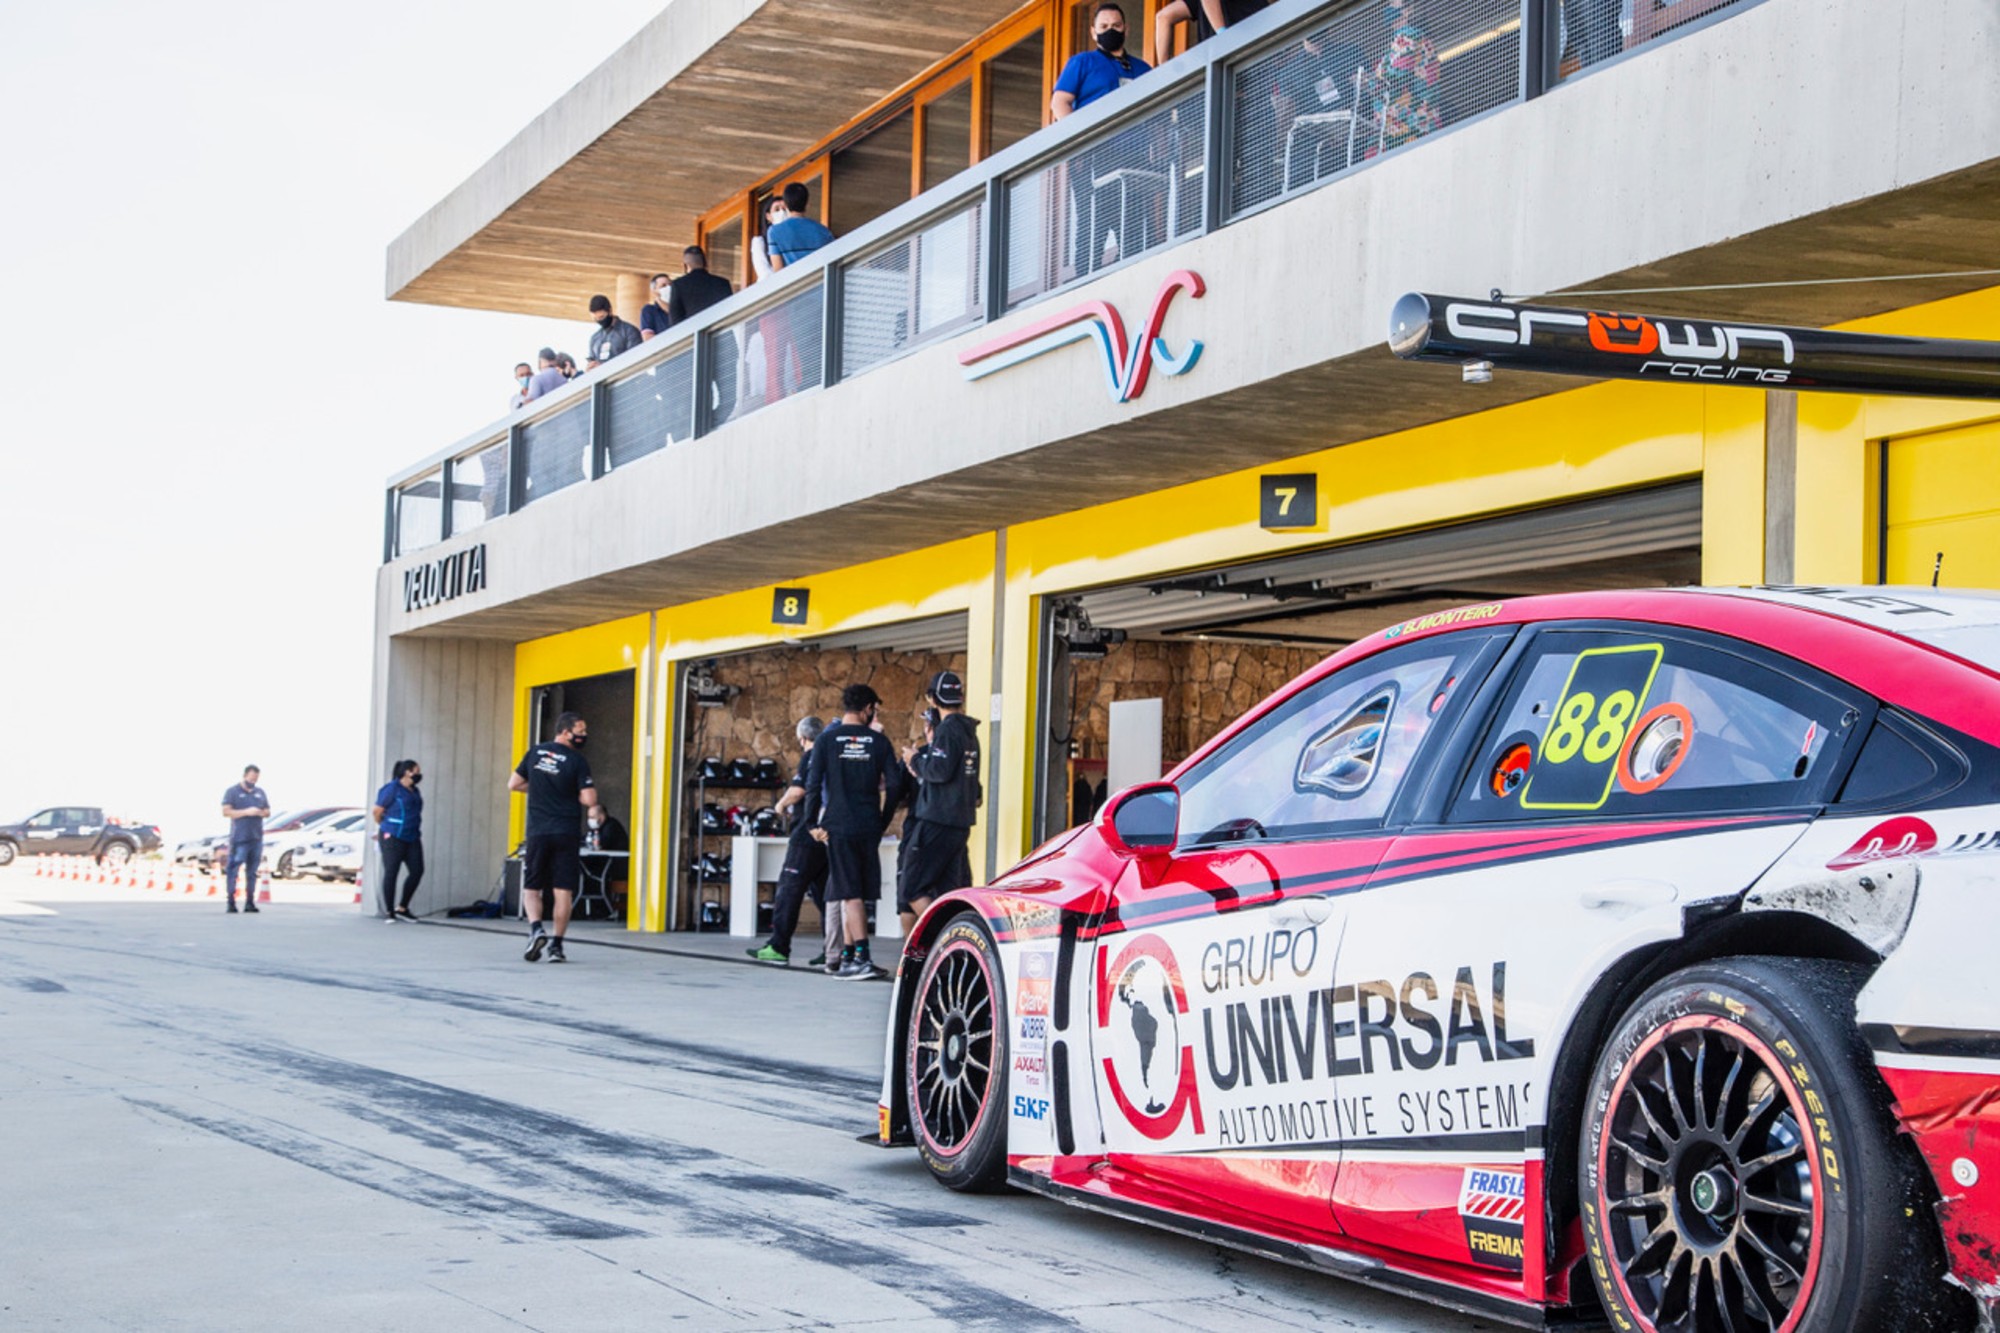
[[478, 486], [1372, 78], [927, 285], [650, 410], [1131, 190], [556, 451], [420, 512], [766, 357]]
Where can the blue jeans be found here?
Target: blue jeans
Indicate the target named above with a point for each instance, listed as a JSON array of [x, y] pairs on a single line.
[[247, 855]]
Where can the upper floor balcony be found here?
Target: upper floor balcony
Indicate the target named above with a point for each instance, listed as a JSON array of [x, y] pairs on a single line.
[[1326, 156]]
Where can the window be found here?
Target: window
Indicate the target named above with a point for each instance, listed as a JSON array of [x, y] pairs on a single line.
[[1636, 724], [46, 819], [1332, 757]]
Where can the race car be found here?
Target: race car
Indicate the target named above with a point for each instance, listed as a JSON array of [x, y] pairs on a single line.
[[1622, 955]]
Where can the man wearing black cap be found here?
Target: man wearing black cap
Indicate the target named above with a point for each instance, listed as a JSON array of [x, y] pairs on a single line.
[[856, 783], [946, 769], [613, 334]]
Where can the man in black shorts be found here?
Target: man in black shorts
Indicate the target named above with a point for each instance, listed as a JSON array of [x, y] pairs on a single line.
[[946, 770], [559, 789], [856, 781], [804, 872]]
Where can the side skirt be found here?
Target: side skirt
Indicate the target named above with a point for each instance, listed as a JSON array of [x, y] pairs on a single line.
[[1356, 1268]]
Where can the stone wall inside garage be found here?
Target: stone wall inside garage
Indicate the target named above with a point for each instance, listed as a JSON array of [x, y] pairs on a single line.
[[1206, 683]]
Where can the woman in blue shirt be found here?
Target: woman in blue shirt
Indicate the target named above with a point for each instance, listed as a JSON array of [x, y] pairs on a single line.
[[399, 817]]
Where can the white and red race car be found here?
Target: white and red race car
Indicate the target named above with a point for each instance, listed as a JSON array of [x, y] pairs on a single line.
[[1616, 953]]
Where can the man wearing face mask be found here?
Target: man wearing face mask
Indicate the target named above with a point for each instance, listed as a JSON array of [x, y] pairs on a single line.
[[1088, 76], [613, 334], [560, 791], [654, 319], [856, 782], [524, 375], [399, 823]]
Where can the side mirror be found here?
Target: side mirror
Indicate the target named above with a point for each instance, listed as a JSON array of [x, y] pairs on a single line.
[[1143, 820]]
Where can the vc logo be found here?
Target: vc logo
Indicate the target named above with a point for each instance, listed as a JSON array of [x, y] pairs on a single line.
[[1126, 365]]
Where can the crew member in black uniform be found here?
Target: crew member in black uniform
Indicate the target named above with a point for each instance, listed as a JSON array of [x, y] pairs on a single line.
[[856, 782], [804, 871], [559, 789], [946, 771]]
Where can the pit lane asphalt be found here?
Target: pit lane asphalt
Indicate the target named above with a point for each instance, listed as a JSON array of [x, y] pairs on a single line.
[[312, 1118]]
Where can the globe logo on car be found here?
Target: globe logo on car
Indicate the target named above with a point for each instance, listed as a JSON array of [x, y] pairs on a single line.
[[1149, 1066]]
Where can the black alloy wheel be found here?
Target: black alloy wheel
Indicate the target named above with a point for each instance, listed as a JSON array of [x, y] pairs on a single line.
[[1739, 1167], [956, 1060]]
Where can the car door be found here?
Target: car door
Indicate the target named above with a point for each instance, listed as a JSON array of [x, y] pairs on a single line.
[[81, 826], [43, 832], [1620, 776], [1212, 1056]]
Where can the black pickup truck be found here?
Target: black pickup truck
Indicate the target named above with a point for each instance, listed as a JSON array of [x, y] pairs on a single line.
[[76, 830]]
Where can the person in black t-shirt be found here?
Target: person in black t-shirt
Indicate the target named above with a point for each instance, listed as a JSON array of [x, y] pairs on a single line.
[[804, 872], [945, 769], [559, 789], [857, 781]]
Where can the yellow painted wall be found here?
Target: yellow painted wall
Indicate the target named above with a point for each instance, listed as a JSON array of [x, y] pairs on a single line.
[[1944, 497], [616, 645]]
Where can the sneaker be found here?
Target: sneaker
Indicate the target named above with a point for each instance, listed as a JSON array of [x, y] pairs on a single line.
[[859, 969], [556, 954], [392, 918], [769, 955], [819, 960], [232, 906], [406, 914], [249, 907], [538, 940]]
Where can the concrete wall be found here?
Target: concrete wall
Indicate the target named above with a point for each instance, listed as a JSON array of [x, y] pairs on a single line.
[[447, 703], [1795, 139]]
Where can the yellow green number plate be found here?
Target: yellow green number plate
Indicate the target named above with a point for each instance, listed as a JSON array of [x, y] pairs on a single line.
[[1578, 759]]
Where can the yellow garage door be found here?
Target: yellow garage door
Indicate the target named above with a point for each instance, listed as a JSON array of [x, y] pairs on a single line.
[[1942, 494]]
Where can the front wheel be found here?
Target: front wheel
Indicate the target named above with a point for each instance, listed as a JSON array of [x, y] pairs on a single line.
[[956, 1059], [7, 853], [1739, 1167], [284, 866]]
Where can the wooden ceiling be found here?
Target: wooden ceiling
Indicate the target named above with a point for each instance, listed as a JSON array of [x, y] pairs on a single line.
[[771, 87]]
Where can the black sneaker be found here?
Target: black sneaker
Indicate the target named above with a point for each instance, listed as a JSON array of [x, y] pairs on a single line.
[[556, 954], [405, 913], [538, 940], [249, 907], [232, 906], [392, 918]]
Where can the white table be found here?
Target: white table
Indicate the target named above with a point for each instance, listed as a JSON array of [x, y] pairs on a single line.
[[754, 861]]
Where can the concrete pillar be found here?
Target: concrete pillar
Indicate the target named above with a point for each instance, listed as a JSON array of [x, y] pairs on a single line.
[[634, 290], [1781, 468]]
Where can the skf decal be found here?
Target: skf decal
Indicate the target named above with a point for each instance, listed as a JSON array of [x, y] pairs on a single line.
[[1493, 1206], [1150, 1068], [1125, 367], [1892, 839], [1463, 615], [1030, 1108]]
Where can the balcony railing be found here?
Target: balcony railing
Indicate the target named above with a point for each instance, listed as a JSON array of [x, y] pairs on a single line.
[[1301, 95]]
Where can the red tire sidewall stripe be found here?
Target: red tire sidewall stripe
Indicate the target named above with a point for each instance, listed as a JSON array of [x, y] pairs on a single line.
[[984, 960]]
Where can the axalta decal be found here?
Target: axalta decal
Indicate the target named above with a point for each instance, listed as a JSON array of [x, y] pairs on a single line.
[[1463, 615], [1291, 1056], [1127, 365]]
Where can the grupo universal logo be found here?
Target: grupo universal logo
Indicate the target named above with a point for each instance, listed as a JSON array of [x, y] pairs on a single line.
[[1150, 1064], [1127, 365]]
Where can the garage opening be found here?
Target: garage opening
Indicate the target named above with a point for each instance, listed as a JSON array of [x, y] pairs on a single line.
[[740, 749], [608, 704], [1136, 676]]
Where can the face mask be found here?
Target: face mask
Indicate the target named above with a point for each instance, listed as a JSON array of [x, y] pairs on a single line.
[[1110, 41], [416, 779], [522, 380], [604, 319]]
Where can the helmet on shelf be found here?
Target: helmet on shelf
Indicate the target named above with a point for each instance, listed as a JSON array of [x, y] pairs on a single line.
[[712, 818], [713, 770], [767, 823]]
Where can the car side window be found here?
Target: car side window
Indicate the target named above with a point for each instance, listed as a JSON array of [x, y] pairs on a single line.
[[1332, 757], [1600, 722], [46, 819]]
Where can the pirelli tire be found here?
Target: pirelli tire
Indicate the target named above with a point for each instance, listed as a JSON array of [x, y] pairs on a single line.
[[1739, 1167], [955, 1059]]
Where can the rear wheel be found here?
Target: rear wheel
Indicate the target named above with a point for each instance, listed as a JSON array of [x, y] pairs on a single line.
[[956, 1059], [116, 853], [1739, 1167], [7, 852], [284, 867]]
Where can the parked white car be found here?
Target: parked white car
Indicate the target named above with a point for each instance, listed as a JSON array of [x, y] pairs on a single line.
[[336, 852], [282, 848]]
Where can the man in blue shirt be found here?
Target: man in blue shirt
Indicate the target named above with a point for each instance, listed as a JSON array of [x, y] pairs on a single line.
[[399, 820], [1088, 76], [794, 235], [246, 807], [654, 319]]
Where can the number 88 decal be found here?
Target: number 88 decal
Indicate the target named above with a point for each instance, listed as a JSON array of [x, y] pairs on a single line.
[[1586, 748]]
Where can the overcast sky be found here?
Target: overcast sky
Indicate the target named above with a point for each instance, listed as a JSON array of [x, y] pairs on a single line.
[[207, 386]]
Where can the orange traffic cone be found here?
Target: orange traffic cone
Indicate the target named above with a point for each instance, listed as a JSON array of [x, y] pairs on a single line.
[[264, 887]]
